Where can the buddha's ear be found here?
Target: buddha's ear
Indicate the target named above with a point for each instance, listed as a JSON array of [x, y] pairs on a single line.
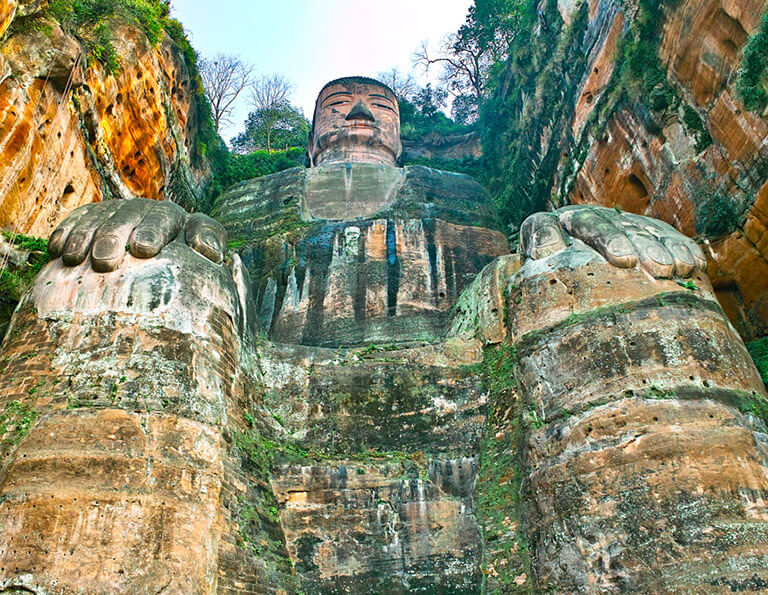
[[399, 149]]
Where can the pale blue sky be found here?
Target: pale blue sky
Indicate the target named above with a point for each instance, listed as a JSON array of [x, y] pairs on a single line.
[[314, 41]]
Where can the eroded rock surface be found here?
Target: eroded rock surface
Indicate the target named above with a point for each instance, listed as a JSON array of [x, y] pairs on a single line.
[[72, 133], [581, 417], [668, 174], [650, 122], [127, 463], [379, 498]]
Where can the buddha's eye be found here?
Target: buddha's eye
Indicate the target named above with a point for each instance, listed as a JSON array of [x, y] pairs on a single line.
[[342, 102], [382, 106]]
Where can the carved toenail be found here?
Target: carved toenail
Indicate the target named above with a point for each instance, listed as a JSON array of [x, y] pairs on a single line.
[[105, 247]]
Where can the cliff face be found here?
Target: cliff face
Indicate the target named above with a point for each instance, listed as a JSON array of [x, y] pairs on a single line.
[[72, 131], [649, 122]]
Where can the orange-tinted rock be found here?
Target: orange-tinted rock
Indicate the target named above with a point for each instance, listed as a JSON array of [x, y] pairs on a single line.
[[71, 135], [7, 12], [663, 174], [121, 444], [701, 43], [600, 75], [133, 107]]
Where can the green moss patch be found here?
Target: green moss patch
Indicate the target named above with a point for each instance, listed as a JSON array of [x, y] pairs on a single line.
[[506, 560], [16, 420], [14, 281]]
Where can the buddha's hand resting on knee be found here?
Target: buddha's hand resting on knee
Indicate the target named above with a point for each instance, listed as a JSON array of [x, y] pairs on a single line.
[[104, 232], [623, 239]]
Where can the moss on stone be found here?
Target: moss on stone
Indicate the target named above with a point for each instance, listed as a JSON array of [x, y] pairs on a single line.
[[758, 349], [717, 215], [16, 421], [506, 560], [598, 316]]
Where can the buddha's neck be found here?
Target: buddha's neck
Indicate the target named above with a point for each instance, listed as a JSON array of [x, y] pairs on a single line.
[[355, 155]]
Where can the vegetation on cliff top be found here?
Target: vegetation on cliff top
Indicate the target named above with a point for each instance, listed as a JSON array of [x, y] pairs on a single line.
[[91, 21], [530, 155], [527, 108]]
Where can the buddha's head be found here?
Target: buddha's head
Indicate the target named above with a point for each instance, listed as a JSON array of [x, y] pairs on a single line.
[[356, 120]]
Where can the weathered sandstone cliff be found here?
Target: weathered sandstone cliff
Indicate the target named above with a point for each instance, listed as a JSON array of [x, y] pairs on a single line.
[[74, 131], [633, 105]]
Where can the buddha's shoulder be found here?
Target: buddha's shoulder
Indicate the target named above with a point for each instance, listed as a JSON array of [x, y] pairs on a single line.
[[263, 193], [262, 207], [446, 195], [437, 180]]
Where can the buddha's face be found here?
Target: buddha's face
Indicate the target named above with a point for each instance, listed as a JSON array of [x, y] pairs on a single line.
[[355, 122]]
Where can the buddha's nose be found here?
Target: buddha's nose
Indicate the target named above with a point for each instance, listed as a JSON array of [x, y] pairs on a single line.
[[360, 112]]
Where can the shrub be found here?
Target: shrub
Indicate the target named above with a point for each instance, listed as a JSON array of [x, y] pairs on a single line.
[[90, 20], [14, 281], [751, 80], [759, 351], [230, 168], [695, 126], [717, 215]]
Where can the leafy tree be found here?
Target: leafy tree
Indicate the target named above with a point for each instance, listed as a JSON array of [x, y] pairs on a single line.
[[464, 109], [273, 121], [224, 79], [429, 100], [280, 125], [468, 56], [422, 115]]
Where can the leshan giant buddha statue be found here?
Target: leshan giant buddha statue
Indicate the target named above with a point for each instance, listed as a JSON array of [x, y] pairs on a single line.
[[179, 417]]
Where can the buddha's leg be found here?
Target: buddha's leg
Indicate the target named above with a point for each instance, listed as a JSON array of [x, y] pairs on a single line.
[[645, 462], [123, 435]]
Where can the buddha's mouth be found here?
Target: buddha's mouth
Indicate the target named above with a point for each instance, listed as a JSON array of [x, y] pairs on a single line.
[[360, 124]]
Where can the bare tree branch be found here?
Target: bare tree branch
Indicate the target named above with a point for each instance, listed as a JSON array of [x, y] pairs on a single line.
[[224, 78], [403, 85], [269, 98], [269, 92]]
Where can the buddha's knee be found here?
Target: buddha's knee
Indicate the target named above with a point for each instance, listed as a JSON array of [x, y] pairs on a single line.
[[646, 418], [644, 414], [116, 388]]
